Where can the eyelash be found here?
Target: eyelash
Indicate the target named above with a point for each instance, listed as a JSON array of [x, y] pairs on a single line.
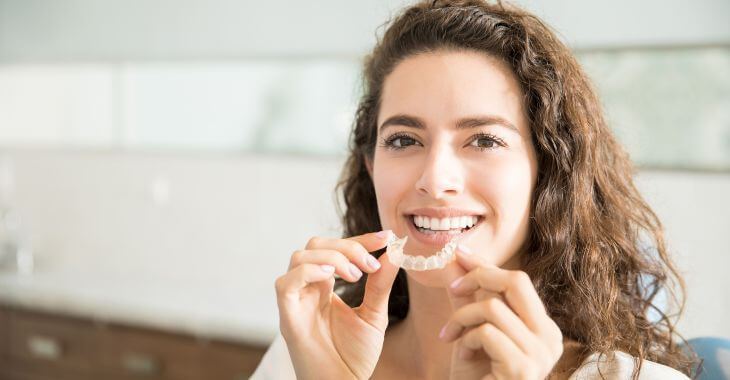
[[388, 143]]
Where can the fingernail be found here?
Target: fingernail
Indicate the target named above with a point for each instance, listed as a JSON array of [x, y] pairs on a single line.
[[456, 282], [354, 271], [466, 250], [443, 331], [447, 335], [327, 268], [373, 262], [383, 234]]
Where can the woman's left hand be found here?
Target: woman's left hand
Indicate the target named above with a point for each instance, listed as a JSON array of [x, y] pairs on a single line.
[[502, 327]]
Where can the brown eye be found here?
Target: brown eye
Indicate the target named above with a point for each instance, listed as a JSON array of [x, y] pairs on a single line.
[[485, 142], [401, 142]]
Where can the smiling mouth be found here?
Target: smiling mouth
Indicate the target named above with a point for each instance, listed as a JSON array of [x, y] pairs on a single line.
[[445, 226]]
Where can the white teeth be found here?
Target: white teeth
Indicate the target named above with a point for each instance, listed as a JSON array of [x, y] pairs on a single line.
[[445, 224]]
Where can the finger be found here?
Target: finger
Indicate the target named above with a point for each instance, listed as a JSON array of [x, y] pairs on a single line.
[[454, 271], [356, 248], [492, 310], [343, 267], [289, 285], [503, 353], [518, 290], [374, 308], [373, 241]]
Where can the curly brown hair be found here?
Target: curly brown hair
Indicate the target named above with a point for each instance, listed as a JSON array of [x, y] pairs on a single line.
[[583, 251]]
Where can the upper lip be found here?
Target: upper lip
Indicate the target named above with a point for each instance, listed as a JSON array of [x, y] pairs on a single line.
[[443, 212]]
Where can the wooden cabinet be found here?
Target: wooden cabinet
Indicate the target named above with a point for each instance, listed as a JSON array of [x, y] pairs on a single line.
[[4, 334], [228, 361], [48, 346], [44, 346]]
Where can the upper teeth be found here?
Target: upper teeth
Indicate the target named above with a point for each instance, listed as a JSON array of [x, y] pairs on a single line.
[[445, 223]]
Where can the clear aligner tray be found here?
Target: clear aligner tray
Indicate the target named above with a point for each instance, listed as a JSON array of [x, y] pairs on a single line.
[[419, 263]]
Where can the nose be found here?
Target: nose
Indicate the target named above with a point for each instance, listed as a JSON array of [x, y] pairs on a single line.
[[442, 174]]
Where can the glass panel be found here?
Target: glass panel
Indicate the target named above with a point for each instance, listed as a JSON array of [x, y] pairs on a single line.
[[302, 107], [669, 107]]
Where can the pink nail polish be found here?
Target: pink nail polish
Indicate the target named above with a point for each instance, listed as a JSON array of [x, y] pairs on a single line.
[[373, 263], [442, 334], [327, 268], [355, 271], [456, 282]]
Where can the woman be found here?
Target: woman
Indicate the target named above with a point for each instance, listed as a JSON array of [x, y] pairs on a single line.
[[475, 113]]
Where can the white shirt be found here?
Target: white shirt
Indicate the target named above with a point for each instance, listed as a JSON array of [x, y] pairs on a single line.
[[276, 365]]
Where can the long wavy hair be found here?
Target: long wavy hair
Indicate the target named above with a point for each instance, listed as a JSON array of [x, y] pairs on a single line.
[[585, 251]]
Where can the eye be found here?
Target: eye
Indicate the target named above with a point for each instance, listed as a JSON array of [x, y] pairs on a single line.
[[399, 141], [485, 141]]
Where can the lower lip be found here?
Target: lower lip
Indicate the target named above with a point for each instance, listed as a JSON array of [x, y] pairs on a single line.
[[439, 239]]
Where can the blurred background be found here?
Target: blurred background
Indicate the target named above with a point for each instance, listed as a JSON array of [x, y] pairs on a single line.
[[161, 160]]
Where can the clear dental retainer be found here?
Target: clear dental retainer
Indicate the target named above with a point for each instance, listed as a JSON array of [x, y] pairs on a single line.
[[419, 263]]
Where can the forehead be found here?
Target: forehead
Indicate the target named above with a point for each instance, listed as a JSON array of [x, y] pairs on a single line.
[[441, 87]]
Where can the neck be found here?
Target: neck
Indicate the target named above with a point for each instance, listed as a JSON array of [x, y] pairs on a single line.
[[423, 352]]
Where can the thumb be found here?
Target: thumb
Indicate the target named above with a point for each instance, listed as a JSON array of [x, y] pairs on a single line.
[[374, 307]]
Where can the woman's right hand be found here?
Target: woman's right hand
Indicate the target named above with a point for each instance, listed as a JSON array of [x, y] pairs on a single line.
[[326, 338]]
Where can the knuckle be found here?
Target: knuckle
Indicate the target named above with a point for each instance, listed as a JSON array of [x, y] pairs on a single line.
[[521, 278], [486, 330], [342, 262], [279, 285], [314, 242], [489, 306], [296, 257], [494, 303], [354, 246]]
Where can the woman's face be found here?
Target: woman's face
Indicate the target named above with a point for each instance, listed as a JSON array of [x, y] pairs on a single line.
[[454, 144]]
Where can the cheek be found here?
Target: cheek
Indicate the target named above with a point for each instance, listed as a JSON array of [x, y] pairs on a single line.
[[507, 185], [388, 184], [392, 182]]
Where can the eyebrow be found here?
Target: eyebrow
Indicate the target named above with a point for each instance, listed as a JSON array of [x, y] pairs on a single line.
[[464, 123]]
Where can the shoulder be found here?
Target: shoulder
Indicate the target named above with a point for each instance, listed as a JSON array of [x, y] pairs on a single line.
[[620, 365], [276, 363]]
